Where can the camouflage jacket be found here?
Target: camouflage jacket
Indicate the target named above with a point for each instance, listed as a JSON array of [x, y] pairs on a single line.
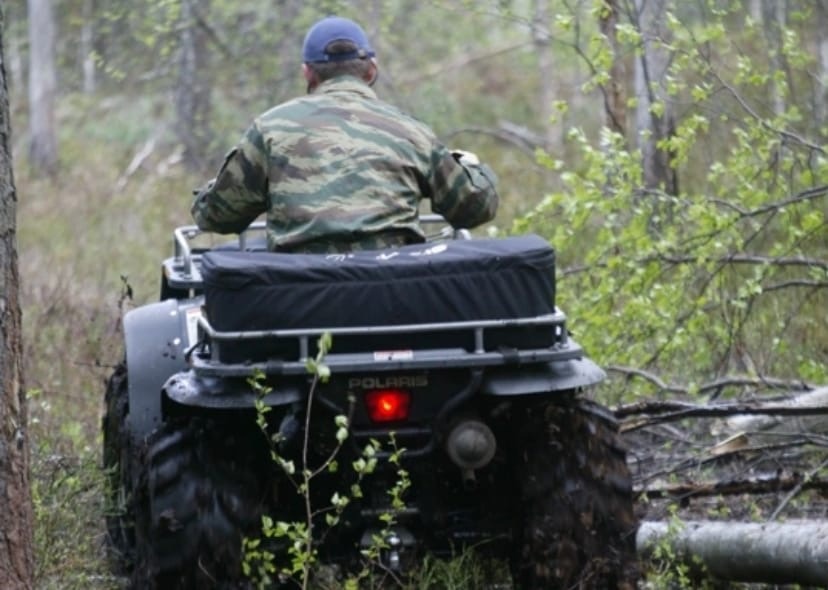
[[339, 170]]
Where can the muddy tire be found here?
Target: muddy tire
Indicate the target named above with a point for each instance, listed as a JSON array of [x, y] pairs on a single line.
[[198, 497], [116, 463], [577, 528]]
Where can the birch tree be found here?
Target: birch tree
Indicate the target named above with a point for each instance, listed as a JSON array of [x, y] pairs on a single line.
[[654, 112], [775, 17], [615, 102], [192, 88], [43, 149], [821, 95], [543, 47], [87, 46]]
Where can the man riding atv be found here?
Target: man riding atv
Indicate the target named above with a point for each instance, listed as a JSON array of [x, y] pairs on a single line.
[[339, 170], [453, 349]]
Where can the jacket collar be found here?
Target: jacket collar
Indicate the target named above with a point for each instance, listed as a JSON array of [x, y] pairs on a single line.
[[349, 84]]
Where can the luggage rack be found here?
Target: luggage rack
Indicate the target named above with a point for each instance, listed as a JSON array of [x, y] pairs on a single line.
[[205, 358], [182, 270]]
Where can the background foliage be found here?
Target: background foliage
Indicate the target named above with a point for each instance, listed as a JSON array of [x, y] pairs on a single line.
[[707, 280]]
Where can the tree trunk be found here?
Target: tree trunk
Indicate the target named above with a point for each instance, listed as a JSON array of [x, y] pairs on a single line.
[[546, 74], [770, 553], [615, 100], [16, 561], [775, 23], [87, 46], [755, 8], [43, 150], [821, 98], [14, 60], [287, 48], [192, 90], [654, 111]]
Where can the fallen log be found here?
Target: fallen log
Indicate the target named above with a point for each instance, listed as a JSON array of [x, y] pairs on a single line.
[[758, 425], [793, 552]]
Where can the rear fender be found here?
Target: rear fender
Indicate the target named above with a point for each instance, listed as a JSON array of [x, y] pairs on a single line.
[[543, 378], [205, 392], [156, 338]]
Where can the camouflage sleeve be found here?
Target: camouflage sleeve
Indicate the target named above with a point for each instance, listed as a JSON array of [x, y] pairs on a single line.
[[239, 193], [464, 193]]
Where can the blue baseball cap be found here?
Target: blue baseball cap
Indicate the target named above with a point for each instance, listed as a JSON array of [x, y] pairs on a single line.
[[330, 29]]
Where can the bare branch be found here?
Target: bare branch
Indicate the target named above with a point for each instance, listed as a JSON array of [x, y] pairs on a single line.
[[212, 33], [715, 455], [742, 259], [806, 195], [797, 489], [762, 484], [718, 411], [795, 283], [442, 67], [713, 386], [525, 142]]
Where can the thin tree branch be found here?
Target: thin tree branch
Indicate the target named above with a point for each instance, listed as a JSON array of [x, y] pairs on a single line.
[[795, 283], [741, 259], [506, 136], [730, 381], [694, 462], [461, 62], [763, 484], [796, 490], [719, 411], [806, 195], [749, 110]]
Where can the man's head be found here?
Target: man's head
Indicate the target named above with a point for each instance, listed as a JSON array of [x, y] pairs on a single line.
[[336, 46]]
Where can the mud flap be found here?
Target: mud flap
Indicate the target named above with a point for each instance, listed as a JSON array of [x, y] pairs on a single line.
[[156, 339]]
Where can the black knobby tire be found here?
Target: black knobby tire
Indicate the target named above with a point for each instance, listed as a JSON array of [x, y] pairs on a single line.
[[199, 495], [117, 465], [577, 528]]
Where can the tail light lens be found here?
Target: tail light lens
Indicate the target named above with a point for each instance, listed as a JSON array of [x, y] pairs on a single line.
[[388, 405]]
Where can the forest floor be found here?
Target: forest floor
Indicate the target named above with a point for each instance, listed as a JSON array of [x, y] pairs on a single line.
[[698, 471], [708, 470]]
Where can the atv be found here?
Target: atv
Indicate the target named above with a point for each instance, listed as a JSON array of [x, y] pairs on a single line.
[[449, 357]]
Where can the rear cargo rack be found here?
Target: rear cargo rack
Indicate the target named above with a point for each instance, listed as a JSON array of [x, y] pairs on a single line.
[[452, 344], [183, 269], [206, 360]]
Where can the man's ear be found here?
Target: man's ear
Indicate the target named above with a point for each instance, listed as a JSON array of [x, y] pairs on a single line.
[[372, 73], [310, 77], [307, 73]]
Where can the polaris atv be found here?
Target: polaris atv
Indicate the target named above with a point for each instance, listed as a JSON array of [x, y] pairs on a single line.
[[449, 355]]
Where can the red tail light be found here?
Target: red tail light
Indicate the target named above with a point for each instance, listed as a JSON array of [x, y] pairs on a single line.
[[388, 405]]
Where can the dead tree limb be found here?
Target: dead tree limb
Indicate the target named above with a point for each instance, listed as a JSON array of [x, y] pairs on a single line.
[[761, 484], [726, 451], [717, 411], [796, 490], [741, 416], [770, 553], [712, 387], [523, 139], [810, 422]]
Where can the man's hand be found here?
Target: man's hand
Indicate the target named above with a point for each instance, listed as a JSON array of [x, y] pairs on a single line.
[[210, 184], [466, 158]]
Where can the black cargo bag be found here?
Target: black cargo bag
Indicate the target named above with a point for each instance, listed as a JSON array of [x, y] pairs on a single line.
[[454, 281]]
